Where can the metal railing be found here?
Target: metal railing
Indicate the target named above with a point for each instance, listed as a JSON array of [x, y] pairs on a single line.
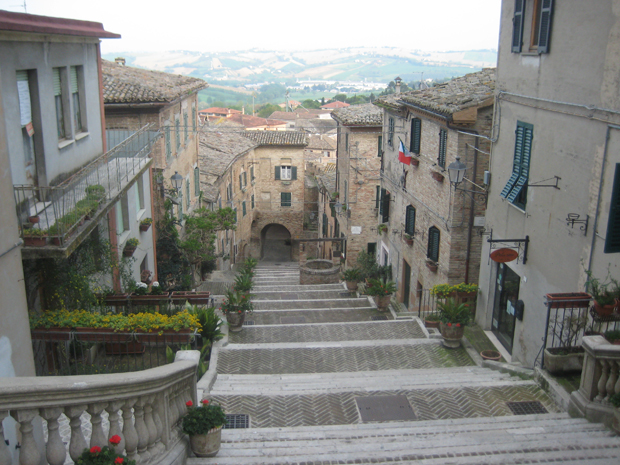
[[57, 211]]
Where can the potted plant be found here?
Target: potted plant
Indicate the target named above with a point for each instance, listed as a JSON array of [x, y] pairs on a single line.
[[605, 294], [243, 282], [235, 305], [95, 192], [408, 239], [87, 207], [568, 355], [34, 219], [382, 228], [145, 224], [437, 176], [35, 237], [431, 265], [130, 246], [432, 320], [204, 425], [454, 317], [382, 291], [613, 336], [352, 276], [106, 455]]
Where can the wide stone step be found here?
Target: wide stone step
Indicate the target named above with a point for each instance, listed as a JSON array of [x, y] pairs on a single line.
[[329, 332], [304, 316], [297, 287], [497, 440], [302, 294], [310, 304], [273, 385]]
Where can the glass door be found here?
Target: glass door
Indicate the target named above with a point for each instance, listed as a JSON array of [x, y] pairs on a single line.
[[506, 296]]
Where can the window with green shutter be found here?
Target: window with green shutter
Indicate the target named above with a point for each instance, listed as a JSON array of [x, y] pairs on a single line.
[[187, 199], [433, 244], [346, 141], [240, 181], [325, 225], [515, 190], [178, 134], [252, 174], [379, 145], [443, 141], [612, 238], [384, 209], [378, 197], [542, 27], [196, 181], [194, 119], [390, 140], [185, 122], [60, 117], [416, 134], [285, 199], [75, 98], [167, 142], [410, 220], [252, 201], [243, 208], [517, 26]]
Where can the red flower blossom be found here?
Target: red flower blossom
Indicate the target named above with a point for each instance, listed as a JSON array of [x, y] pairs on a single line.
[[205, 401], [449, 324], [189, 403], [458, 325], [95, 450], [118, 460], [115, 439]]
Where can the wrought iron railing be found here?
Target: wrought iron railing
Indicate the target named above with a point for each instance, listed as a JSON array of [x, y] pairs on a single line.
[[56, 212]]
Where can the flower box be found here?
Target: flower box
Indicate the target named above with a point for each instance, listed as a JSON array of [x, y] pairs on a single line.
[[569, 300], [51, 334], [437, 176], [35, 241], [150, 300], [193, 297], [117, 299], [128, 251], [432, 266], [101, 335], [145, 227], [167, 336]]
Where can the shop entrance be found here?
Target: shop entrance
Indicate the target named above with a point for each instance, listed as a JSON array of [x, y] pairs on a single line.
[[506, 296]]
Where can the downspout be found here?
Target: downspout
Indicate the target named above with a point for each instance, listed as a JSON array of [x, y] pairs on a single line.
[[101, 101], [598, 197]]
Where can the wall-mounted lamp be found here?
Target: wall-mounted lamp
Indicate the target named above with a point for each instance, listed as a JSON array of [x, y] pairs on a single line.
[[456, 173], [340, 210], [574, 218]]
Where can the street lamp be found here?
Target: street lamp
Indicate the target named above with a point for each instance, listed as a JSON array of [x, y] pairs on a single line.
[[456, 172], [177, 181], [338, 208]]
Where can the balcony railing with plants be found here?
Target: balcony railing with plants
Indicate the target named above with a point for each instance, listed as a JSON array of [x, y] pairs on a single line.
[[139, 411], [56, 212]]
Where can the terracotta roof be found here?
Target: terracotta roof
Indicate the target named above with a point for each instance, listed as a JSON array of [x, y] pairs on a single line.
[[328, 181], [291, 138], [365, 114], [219, 146], [311, 111], [316, 126], [291, 115], [22, 22], [336, 104], [222, 111], [124, 84], [471, 90], [320, 143], [250, 121]]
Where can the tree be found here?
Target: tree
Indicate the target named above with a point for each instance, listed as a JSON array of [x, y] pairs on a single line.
[[198, 244], [340, 97], [310, 104], [267, 109]]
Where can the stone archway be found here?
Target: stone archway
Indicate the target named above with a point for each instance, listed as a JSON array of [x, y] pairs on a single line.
[[276, 243]]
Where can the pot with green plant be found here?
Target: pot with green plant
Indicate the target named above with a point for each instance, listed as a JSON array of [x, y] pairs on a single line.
[[613, 336], [130, 246], [432, 320], [408, 239], [106, 455], [204, 425], [567, 354], [235, 305], [382, 291], [604, 292], [243, 282], [352, 276], [145, 224], [454, 317], [382, 228], [35, 237]]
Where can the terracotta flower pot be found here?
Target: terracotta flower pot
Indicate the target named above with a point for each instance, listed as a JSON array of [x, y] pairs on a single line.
[[493, 355], [452, 334], [35, 241], [206, 445], [383, 302], [437, 176], [352, 286], [569, 300], [605, 310], [235, 321], [431, 324], [51, 334], [144, 227]]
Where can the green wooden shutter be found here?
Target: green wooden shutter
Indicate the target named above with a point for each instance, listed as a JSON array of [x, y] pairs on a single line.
[[293, 173], [346, 141], [379, 145], [544, 30], [188, 199], [381, 202], [517, 26], [197, 181], [252, 173], [178, 134], [521, 164], [277, 173], [324, 225], [285, 199], [433, 244], [443, 139], [167, 141], [194, 119], [252, 201], [386, 207], [378, 197], [416, 129], [390, 132], [410, 220], [612, 239], [56, 82], [245, 178], [240, 181], [185, 126], [243, 208]]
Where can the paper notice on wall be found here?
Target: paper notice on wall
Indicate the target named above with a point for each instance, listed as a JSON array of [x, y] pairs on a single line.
[[356, 230], [24, 102], [509, 308], [30, 129]]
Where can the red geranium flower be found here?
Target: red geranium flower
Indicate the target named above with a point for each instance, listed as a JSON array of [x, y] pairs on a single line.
[[449, 324], [458, 325], [205, 401], [95, 450], [189, 403], [115, 439], [118, 460]]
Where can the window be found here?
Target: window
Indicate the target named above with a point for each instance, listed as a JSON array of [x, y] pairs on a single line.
[[612, 238], [178, 134], [185, 127], [252, 174], [384, 207], [25, 113], [371, 248], [235, 212], [416, 133], [378, 196], [324, 224], [379, 145], [229, 192], [346, 141], [286, 173], [243, 180], [410, 220], [139, 186], [540, 35], [243, 208], [443, 138], [515, 190], [194, 119], [60, 117], [76, 72], [285, 199], [390, 140], [187, 197], [122, 215], [433, 244], [197, 181], [252, 202], [167, 143]]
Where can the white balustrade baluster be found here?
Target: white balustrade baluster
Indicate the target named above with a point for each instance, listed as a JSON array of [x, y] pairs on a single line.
[[617, 386], [143, 431], [129, 430], [56, 452], [115, 425], [28, 452], [150, 424], [5, 454], [611, 382], [78, 443], [159, 427], [602, 382], [98, 436]]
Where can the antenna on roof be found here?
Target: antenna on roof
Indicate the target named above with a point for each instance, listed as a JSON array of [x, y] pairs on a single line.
[[288, 105]]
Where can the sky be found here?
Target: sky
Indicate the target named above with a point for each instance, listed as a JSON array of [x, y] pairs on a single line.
[[225, 25]]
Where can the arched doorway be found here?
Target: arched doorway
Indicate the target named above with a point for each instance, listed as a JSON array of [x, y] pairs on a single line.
[[276, 243]]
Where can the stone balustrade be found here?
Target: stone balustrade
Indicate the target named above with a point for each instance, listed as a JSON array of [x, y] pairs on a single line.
[[600, 379], [150, 403]]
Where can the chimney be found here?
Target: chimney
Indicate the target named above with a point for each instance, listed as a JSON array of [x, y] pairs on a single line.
[[120, 61], [398, 80]]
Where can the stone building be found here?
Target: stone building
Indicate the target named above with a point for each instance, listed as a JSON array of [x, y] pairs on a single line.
[[432, 234], [136, 97], [555, 165], [327, 215], [358, 179], [320, 149]]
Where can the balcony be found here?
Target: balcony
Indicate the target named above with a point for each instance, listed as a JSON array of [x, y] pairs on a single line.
[[62, 216]]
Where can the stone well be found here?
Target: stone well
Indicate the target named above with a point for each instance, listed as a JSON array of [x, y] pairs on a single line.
[[319, 272]]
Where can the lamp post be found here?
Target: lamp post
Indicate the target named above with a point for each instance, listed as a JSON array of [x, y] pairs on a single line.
[[177, 181], [456, 172]]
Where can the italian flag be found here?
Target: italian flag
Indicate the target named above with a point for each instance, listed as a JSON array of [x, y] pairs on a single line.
[[404, 155]]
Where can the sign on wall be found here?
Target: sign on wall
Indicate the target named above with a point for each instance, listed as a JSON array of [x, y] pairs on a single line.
[[504, 255]]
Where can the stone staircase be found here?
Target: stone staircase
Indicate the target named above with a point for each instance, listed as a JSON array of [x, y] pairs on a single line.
[[322, 381]]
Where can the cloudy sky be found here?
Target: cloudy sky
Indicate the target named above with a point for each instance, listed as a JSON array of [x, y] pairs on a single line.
[[207, 25]]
